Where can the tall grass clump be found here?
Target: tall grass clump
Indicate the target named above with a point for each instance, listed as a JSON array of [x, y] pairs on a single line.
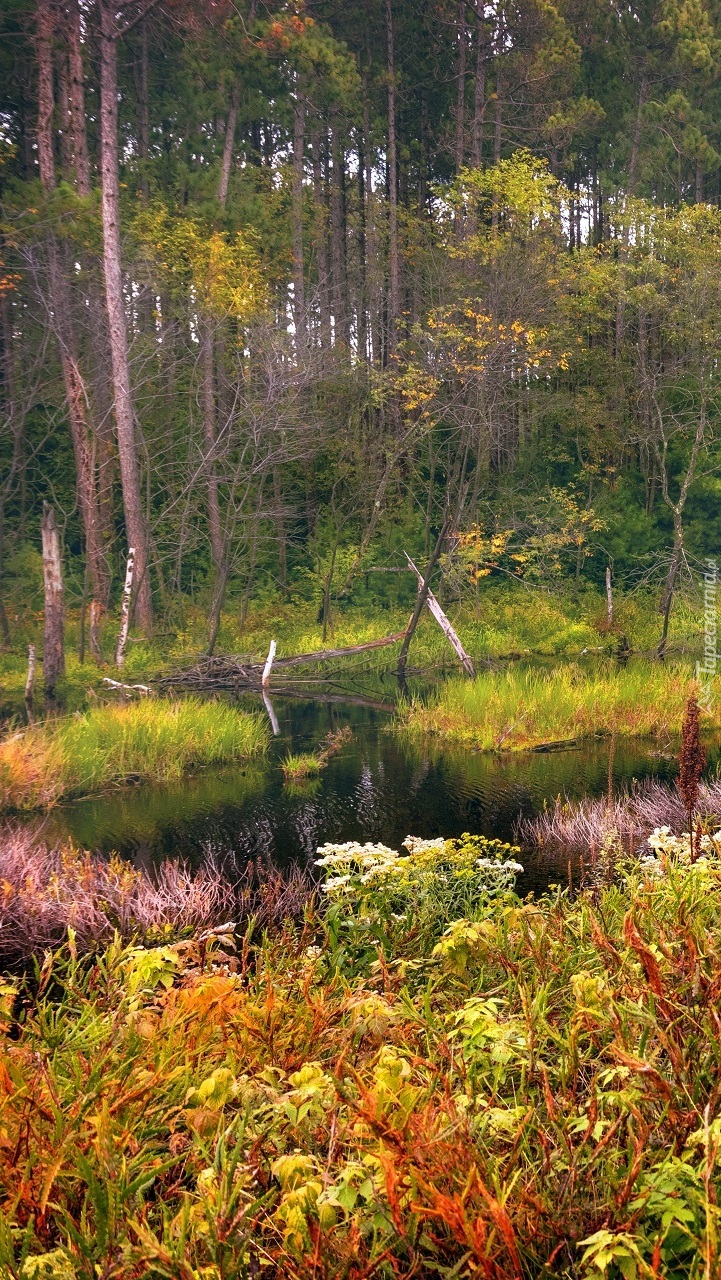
[[522, 708], [304, 764], [153, 740], [581, 827], [383, 1088], [47, 890]]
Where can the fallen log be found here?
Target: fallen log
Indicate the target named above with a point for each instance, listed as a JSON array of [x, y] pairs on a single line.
[[234, 670]]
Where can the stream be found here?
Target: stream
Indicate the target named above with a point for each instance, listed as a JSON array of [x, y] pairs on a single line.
[[382, 786]]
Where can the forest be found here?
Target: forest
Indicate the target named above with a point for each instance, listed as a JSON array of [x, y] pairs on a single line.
[[360, 474], [288, 292]]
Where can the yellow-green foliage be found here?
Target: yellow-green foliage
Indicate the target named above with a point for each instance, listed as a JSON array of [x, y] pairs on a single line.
[[521, 708], [152, 739], [535, 1082]]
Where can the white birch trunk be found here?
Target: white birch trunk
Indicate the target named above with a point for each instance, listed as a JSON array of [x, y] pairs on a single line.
[[125, 610], [269, 663]]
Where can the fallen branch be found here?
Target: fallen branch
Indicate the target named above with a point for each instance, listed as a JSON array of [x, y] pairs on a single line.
[[234, 670], [129, 688]]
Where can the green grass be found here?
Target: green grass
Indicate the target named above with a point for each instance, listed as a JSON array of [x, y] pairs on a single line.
[[300, 765], [152, 739], [520, 708], [506, 620]]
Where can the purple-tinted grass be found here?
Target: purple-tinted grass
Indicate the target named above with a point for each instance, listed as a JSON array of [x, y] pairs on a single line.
[[46, 890], [582, 826]]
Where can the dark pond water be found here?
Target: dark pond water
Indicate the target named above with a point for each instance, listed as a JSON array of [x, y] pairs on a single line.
[[380, 787]]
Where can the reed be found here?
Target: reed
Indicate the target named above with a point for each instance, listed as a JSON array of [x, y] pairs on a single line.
[[304, 765], [575, 827], [46, 891], [153, 740], [518, 709], [297, 766]]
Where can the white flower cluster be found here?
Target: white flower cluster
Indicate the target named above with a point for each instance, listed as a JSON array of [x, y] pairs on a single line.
[[333, 855], [357, 864], [665, 845], [414, 844], [352, 858], [508, 865]]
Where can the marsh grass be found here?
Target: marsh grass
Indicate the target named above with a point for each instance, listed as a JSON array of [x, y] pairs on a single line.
[[506, 620], [297, 766], [46, 890], [582, 827], [522, 708], [150, 740], [305, 765]]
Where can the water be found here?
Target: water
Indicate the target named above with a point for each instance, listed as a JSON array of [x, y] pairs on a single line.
[[380, 787]]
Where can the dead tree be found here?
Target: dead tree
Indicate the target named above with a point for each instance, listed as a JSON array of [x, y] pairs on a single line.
[[54, 636]]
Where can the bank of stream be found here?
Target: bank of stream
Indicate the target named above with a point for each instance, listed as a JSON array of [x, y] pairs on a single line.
[[380, 786]]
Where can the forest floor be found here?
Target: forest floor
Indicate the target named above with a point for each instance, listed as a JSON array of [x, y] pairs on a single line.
[[404, 1078], [508, 621]]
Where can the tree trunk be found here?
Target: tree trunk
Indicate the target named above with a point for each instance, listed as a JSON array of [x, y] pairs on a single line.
[[30, 678], [228, 147], [54, 632], [62, 320], [393, 257], [461, 87], [125, 609], [124, 413], [421, 599], [299, 318], [94, 630], [677, 509], [479, 92], [371, 240], [64, 117], [142, 90], [630, 190], [321, 243], [498, 124], [362, 306], [216, 608], [216, 537], [670, 588], [44, 31], [340, 299], [636, 142], [77, 100], [281, 532]]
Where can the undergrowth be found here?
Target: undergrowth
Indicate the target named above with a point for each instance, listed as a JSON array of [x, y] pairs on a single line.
[[507, 620], [387, 1088]]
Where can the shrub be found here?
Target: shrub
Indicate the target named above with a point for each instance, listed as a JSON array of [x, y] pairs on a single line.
[[533, 1092]]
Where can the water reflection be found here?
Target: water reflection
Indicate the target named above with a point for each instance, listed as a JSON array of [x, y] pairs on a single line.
[[381, 787]]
